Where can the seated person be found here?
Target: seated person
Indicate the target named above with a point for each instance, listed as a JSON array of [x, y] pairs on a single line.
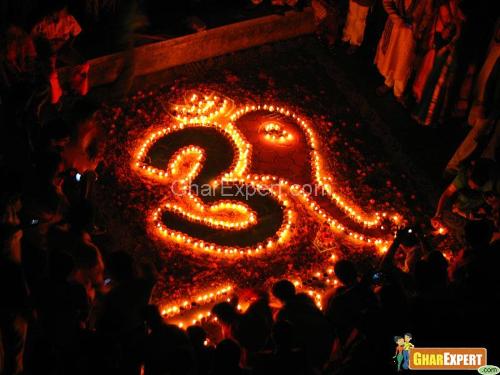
[[469, 191]]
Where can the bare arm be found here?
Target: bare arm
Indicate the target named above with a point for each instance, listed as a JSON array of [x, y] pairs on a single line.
[[445, 197], [387, 260]]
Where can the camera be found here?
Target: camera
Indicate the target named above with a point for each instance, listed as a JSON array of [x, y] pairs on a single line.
[[29, 223], [377, 278]]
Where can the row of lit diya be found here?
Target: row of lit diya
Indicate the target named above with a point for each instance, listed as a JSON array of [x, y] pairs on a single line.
[[200, 108], [280, 188], [187, 163], [223, 214], [201, 303], [207, 107], [276, 133]]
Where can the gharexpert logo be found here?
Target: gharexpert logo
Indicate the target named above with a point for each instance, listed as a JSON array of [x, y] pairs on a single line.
[[488, 370], [451, 359]]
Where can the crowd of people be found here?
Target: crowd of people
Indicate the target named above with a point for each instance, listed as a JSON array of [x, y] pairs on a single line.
[[68, 306], [70, 319], [438, 57]]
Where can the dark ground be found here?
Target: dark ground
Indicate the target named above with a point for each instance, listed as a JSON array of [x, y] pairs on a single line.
[[430, 148]]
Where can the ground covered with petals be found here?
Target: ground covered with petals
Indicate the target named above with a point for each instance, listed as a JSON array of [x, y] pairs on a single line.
[[364, 171]]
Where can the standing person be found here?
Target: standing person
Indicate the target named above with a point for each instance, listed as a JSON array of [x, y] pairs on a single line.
[[471, 51], [396, 49], [485, 84], [313, 332], [354, 29], [482, 140], [329, 16], [119, 318], [227, 357], [432, 84]]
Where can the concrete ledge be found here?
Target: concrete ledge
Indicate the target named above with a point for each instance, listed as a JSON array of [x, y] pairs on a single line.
[[158, 56]]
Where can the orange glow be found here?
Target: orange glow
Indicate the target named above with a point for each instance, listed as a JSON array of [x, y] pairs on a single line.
[[275, 133], [185, 307], [442, 231], [215, 112]]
